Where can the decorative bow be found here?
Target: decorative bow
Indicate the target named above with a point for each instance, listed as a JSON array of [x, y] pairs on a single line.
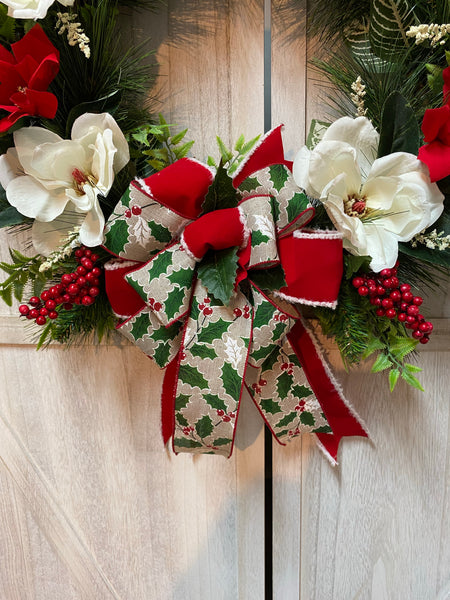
[[206, 282]]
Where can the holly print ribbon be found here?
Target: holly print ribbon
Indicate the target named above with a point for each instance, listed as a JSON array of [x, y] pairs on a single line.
[[207, 278]]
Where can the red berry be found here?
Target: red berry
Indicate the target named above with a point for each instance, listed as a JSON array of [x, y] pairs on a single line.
[[237, 312], [380, 290], [73, 289], [226, 418], [412, 310], [426, 327], [424, 340], [128, 213], [90, 276], [80, 271], [395, 282], [34, 313], [81, 281], [395, 296], [200, 306], [371, 282], [404, 305], [41, 320], [94, 257], [417, 334], [96, 271], [405, 287], [87, 263], [387, 283], [390, 313], [411, 319], [24, 309], [156, 307], [387, 303], [87, 300], [220, 412], [87, 251], [74, 276], [401, 317], [207, 311], [43, 311], [34, 301], [380, 312], [79, 252], [363, 290], [358, 282], [407, 296], [417, 300], [52, 314], [67, 305], [385, 273], [45, 295], [136, 210]]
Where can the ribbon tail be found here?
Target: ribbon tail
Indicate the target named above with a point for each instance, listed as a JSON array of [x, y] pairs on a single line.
[[339, 414], [169, 389]]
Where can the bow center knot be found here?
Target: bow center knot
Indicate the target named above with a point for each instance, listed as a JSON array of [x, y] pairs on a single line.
[[216, 230]]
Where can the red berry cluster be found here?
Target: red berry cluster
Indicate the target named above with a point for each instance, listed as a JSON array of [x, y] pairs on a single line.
[[394, 300], [257, 386], [134, 210], [225, 417], [79, 287], [245, 313], [205, 308]]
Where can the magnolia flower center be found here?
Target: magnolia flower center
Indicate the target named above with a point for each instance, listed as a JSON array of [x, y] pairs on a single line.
[[355, 206], [80, 179]]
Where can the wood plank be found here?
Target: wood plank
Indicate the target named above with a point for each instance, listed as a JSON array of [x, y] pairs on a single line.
[[159, 526]]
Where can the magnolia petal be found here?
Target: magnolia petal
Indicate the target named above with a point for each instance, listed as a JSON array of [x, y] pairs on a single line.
[[55, 163], [380, 192], [91, 231], [27, 9], [351, 228], [48, 237], [9, 167], [300, 171], [330, 159], [33, 200], [392, 165], [358, 133], [88, 126], [103, 161], [83, 202], [26, 140], [381, 246]]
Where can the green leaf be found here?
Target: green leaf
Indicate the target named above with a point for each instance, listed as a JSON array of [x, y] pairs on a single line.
[[231, 381], [373, 344], [394, 374], [301, 391], [174, 302], [389, 21], [259, 238], [204, 427], [176, 139], [221, 193], [159, 265], [215, 402], [240, 142], [192, 376], [355, 263], [279, 175], [249, 184], [182, 151], [412, 368], [382, 362], [159, 232], [141, 326], [10, 216], [186, 443], [217, 272], [164, 334], [262, 352], [117, 236], [202, 351], [213, 331], [161, 354], [270, 361], [401, 346], [316, 131], [263, 314], [249, 145], [399, 128], [279, 330], [224, 152], [287, 419], [297, 204], [269, 406], [181, 401], [307, 418], [411, 380], [284, 383], [268, 279], [182, 420], [221, 442]]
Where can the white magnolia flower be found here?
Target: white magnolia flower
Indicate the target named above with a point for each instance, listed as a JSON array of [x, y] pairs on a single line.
[[374, 203], [56, 181], [31, 9]]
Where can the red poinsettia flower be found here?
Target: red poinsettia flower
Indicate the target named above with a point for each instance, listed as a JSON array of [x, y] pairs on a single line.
[[436, 129], [25, 75]]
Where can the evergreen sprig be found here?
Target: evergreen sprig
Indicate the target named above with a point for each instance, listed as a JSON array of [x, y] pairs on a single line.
[[23, 273]]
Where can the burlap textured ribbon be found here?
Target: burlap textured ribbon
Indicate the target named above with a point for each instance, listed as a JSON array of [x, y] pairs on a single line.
[[212, 348]]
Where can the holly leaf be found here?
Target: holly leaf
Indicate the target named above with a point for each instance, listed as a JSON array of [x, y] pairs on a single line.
[[399, 128], [307, 418], [159, 232], [141, 326], [296, 205], [217, 272], [160, 264], [268, 279], [182, 420], [259, 238], [263, 314], [249, 184], [202, 351], [213, 331], [269, 406], [117, 236], [323, 429], [204, 427], [161, 354], [221, 193], [262, 352], [301, 391], [279, 175], [186, 443], [353, 264], [287, 419], [174, 302], [284, 384], [164, 334], [221, 442], [192, 376], [231, 381], [181, 401], [215, 402]]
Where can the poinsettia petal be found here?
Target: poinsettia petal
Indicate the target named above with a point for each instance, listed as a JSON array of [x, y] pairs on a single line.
[[33, 200], [433, 120], [11, 119], [436, 156], [43, 104], [35, 43], [358, 133]]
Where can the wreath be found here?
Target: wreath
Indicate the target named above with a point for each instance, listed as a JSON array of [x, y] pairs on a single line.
[[211, 269]]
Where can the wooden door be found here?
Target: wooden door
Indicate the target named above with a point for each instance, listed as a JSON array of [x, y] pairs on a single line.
[[92, 506]]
